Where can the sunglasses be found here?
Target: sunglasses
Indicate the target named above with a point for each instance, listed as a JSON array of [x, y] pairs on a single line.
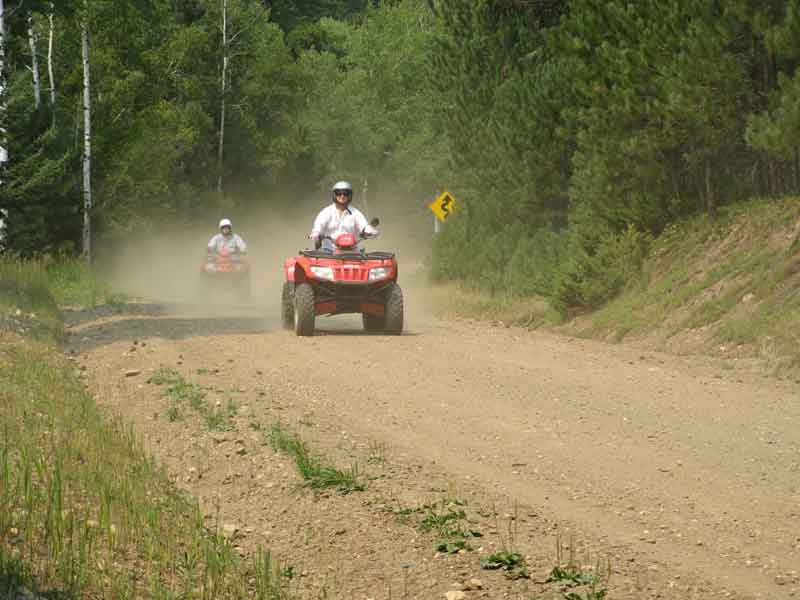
[[341, 193]]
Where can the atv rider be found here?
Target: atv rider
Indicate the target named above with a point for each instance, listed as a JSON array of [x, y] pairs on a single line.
[[226, 239], [338, 218]]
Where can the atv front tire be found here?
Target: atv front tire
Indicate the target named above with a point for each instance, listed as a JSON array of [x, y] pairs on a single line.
[[304, 309], [287, 304], [373, 322], [394, 310]]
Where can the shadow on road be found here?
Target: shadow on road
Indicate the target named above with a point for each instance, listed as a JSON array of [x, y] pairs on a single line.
[[138, 321], [74, 317], [104, 325], [358, 332]]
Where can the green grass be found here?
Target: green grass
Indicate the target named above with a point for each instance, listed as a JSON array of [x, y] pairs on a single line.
[[84, 510], [73, 282], [184, 395], [25, 285], [310, 467], [33, 290], [25, 300]]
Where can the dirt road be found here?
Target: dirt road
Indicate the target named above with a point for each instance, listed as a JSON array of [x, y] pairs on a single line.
[[683, 474]]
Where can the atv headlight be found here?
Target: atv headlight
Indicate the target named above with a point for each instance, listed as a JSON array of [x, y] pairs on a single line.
[[323, 273], [378, 273]]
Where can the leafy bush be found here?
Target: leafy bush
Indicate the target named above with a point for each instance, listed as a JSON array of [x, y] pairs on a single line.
[[599, 265], [515, 260]]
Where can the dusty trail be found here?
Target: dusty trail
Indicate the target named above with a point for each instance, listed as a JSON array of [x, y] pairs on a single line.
[[686, 475]]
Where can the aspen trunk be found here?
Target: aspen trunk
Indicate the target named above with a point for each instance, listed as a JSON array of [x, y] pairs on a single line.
[[3, 151], [220, 150], [50, 75], [711, 202], [87, 147], [37, 86], [796, 170]]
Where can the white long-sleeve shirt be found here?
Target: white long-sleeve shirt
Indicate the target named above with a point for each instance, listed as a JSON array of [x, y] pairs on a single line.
[[331, 222], [233, 243]]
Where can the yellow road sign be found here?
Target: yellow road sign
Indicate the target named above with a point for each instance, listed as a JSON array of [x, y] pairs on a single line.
[[444, 206]]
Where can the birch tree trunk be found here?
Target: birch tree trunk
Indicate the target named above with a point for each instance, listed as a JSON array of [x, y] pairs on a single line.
[[711, 202], [50, 75], [221, 148], [87, 146], [37, 86], [3, 151]]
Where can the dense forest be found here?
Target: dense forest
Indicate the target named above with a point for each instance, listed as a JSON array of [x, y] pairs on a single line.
[[572, 131]]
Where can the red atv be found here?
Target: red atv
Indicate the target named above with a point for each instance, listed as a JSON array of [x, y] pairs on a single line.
[[226, 270], [347, 280]]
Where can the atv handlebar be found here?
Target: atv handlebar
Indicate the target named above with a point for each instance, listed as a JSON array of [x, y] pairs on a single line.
[[211, 253], [318, 240]]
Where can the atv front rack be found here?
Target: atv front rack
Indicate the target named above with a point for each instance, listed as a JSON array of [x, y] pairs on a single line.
[[348, 255]]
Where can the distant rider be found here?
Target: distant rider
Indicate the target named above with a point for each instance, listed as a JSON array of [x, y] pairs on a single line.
[[340, 217], [226, 239]]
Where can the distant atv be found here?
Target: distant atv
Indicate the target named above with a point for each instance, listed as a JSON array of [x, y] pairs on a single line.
[[223, 271], [347, 280]]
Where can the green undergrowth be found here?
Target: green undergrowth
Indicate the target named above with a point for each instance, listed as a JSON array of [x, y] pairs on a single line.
[[451, 300]]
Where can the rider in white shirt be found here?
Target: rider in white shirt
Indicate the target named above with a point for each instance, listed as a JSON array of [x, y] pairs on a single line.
[[340, 217], [226, 239]]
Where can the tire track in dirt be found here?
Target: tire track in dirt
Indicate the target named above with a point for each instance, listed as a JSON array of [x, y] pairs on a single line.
[[685, 476]]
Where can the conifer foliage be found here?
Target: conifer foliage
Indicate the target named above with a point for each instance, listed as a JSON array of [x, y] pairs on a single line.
[[572, 131]]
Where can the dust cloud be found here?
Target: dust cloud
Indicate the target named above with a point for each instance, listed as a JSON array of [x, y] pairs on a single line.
[[164, 265]]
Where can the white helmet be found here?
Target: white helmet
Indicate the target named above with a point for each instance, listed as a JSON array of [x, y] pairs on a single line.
[[225, 223], [342, 186]]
